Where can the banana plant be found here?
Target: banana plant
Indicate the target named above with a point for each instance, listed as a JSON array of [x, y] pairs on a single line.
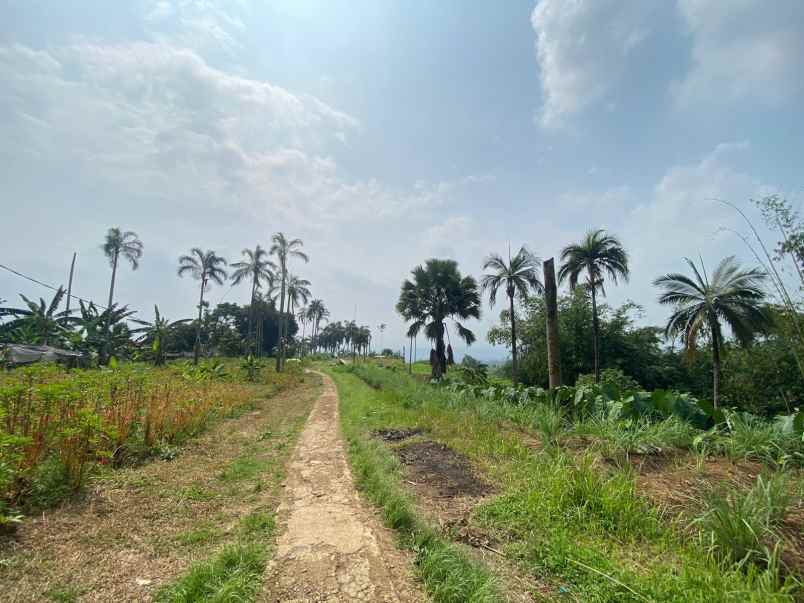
[[156, 333]]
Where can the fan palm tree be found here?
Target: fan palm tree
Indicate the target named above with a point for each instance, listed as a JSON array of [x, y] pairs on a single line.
[[734, 296], [258, 269], [439, 292], [284, 250], [41, 322], [599, 254], [125, 244], [156, 333], [204, 266], [518, 276]]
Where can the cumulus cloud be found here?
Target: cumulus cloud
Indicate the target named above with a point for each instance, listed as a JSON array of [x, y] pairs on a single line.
[[746, 49], [583, 50]]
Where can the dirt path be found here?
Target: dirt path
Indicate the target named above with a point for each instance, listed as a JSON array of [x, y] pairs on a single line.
[[333, 547]]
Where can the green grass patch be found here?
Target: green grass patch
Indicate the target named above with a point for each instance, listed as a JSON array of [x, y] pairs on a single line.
[[449, 575], [235, 574], [574, 523]]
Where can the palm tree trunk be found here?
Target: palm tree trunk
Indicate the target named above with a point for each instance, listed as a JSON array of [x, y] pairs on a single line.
[[715, 366], [108, 347], [280, 343], [252, 341], [197, 346], [439, 368], [551, 312], [514, 373], [595, 335]]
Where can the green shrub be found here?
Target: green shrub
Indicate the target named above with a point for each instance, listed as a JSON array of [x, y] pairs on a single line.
[[613, 377]]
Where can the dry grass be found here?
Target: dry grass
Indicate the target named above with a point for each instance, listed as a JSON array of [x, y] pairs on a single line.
[[140, 528]]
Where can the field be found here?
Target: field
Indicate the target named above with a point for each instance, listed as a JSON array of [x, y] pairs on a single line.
[[139, 483], [504, 505]]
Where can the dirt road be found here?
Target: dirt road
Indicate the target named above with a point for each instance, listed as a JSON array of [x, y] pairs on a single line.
[[332, 546]]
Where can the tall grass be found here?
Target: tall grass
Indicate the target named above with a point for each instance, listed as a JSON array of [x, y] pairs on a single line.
[[58, 422]]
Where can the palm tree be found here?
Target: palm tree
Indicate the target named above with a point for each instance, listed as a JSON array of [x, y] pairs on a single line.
[[204, 266], [316, 312], [156, 333], [518, 276], [381, 328], [259, 269], [598, 254], [734, 296], [284, 249], [41, 323], [119, 244], [439, 292]]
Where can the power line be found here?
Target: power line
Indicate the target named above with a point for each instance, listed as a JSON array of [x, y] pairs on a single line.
[[38, 282]]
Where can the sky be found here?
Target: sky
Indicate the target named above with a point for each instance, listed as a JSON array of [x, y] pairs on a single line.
[[384, 133]]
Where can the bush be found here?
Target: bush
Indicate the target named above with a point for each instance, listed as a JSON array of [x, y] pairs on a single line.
[[613, 377]]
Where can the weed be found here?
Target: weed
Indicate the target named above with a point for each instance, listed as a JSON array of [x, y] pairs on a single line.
[[234, 575]]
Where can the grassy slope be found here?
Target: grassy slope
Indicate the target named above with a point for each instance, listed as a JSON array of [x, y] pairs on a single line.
[[578, 526]]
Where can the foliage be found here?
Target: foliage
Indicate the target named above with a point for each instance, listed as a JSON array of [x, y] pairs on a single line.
[[733, 297], [612, 377], [55, 425], [743, 526], [439, 292], [40, 323]]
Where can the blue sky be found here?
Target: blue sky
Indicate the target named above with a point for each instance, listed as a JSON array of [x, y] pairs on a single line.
[[384, 133]]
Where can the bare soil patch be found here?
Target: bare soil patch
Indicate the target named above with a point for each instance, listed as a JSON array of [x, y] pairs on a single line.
[[139, 528], [444, 471]]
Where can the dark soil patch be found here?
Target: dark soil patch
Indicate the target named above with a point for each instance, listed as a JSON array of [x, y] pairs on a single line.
[[439, 467], [396, 435]]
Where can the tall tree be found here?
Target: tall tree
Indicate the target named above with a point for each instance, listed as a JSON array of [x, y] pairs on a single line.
[[518, 276], [598, 254], [119, 244], [259, 270], [298, 293], [316, 312], [204, 266], [734, 296], [439, 292], [284, 249]]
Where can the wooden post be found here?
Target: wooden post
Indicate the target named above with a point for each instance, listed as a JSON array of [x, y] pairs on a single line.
[[70, 283], [551, 310]]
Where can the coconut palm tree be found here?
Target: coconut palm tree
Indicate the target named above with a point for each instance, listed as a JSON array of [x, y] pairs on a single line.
[[284, 250], [119, 244], [259, 270], [519, 275], [204, 266], [599, 254], [733, 296], [439, 292], [316, 312]]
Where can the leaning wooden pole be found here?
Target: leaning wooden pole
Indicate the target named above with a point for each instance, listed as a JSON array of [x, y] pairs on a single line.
[[70, 283], [551, 306]]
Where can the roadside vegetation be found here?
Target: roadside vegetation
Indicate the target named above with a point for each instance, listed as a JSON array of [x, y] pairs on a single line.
[[572, 508]]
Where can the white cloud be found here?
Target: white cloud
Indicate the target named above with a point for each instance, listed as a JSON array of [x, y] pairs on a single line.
[[743, 49], [583, 50]]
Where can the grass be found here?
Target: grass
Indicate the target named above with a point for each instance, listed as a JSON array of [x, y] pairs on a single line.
[[569, 521], [235, 574], [448, 573]]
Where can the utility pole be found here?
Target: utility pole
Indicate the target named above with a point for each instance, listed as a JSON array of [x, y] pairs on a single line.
[[70, 283]]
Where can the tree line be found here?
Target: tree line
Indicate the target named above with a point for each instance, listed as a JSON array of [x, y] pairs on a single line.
[[731, 308], [279, 302]]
